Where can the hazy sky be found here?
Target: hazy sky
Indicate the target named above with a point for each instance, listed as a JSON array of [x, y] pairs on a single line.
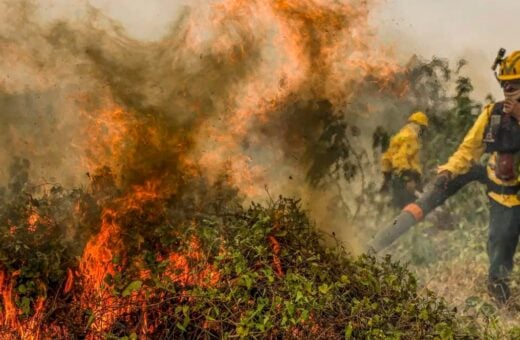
[[470, 29]]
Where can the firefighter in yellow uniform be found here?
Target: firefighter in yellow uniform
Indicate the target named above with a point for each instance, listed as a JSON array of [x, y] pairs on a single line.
[[401, 163], [496, 132]]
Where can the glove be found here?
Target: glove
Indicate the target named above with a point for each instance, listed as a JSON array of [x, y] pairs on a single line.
[[442, 180], [386, 182], [411, 180], [411, 186]]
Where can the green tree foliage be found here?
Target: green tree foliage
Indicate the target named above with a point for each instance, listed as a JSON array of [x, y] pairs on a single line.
[[431, 86]]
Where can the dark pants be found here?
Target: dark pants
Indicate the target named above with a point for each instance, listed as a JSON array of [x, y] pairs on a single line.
[[504, 222], [504, 228], [504, 225], [401, 197]]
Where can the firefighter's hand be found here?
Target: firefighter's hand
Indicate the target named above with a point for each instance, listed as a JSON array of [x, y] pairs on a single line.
[[512, 103], [411, 186], [512, 106], [441, 182]]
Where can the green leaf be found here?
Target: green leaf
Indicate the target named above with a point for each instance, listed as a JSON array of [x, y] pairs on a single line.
[[132, 287], [472, 301], [249, 282], [186, 321], [299, 296], [116, 260], [488, 309], [180, 326], [348, 332], [444, 331], [25, 305], [324, 288], [242, 331], [22, 289], [423, 315], [91, 319]]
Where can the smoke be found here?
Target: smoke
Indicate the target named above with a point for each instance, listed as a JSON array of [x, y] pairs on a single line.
[[237, 91]]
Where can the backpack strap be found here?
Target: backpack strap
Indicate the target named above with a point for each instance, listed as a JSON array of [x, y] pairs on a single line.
[[494, 121]]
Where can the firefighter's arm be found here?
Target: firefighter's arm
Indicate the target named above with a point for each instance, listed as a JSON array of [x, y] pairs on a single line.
[[471, 148]]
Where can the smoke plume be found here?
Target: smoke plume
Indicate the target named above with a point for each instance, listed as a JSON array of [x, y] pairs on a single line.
[[237, 93]]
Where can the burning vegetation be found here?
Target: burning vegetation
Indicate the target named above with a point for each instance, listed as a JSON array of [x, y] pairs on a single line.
[[124, 211], [138, 265]]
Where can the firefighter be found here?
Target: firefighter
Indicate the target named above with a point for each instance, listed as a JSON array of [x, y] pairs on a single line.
[[401, 163], [497, 132]]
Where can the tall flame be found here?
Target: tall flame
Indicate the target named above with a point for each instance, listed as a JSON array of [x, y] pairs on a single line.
[[156, 119]]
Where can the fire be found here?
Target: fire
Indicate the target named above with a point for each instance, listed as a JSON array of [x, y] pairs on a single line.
[[180, 271], [28, 328], [256, 60], [32, 220], [108, 130], [10, 312], [99, 260], [323, 50], [96, 263], [70, 281], [104, 257]]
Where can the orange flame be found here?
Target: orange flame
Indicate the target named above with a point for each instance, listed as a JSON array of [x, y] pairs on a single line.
[[96, 263], [99, 259], [298, 50], [28, 328], [179, 269], [32, 220], [69, 283], [323, 50]]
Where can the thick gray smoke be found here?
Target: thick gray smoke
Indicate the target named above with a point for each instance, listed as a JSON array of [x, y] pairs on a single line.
[[217, 66], [240, 91]]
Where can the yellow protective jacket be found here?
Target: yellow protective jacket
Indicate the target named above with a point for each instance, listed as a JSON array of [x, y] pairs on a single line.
[[403, 153], [471, 150]]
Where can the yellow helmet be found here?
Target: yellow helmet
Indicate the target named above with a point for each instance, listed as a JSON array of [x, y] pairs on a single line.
[[419, 117], [510, 67]]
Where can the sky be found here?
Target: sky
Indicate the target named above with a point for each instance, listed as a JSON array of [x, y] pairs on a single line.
[[469, 29], [453, 29]]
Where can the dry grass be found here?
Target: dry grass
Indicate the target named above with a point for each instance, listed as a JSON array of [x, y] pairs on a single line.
[[464, 278]]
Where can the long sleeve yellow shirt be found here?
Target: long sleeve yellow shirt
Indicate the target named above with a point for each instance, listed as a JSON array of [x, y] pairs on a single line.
[[471, 150], [403, 153]]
